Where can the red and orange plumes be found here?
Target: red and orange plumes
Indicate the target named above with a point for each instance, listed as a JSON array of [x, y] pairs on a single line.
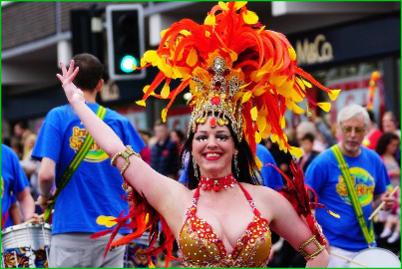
[[264, 60]]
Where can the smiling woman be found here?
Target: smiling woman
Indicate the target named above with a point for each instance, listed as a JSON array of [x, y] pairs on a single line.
[[241, 78]]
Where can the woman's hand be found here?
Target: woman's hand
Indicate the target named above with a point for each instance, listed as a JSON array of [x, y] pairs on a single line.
[[73, 94]]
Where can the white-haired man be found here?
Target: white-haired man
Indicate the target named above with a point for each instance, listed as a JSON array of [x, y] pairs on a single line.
[[349, 192]]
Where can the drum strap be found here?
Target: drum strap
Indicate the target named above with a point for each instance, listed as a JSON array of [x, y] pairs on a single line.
[[81, 153], [343, 166]]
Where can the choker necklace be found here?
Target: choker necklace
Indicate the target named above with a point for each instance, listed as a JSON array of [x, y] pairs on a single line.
[[217, 184]]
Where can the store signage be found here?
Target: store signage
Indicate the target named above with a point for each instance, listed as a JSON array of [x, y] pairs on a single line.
[[318, 51]]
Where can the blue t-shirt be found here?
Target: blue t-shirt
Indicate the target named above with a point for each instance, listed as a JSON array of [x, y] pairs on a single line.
[[324, 176], [13, 181], [270, 177], [95, 187]]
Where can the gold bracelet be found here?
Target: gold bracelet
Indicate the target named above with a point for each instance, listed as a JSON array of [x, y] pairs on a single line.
[[125, 154], [303, 252]]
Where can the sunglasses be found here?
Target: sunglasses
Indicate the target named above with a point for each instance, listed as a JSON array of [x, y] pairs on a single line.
[[349, 130]]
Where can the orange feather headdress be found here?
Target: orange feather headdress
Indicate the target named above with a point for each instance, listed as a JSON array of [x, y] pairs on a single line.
[[259, 62]]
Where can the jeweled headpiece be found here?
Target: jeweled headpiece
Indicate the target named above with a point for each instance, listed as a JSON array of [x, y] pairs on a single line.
[[237, 71]]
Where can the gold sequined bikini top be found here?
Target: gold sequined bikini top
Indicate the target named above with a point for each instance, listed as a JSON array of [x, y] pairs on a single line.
[[201, 247]]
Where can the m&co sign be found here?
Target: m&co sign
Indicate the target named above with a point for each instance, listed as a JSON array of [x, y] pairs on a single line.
[[313, 52]]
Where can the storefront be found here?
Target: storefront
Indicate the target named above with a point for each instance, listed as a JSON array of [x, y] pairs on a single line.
[[344, 56]]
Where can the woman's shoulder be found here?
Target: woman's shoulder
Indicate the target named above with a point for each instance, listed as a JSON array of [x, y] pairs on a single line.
[[265, 199], [260, 192]]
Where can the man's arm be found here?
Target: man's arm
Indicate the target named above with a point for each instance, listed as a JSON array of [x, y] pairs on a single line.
[[46, 180], [27, 204], [15, 214]]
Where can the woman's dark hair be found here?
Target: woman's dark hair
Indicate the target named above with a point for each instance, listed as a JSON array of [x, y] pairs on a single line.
[[384, 141], [247, 167]]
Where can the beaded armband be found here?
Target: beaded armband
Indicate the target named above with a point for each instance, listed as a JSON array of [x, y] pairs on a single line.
[[125, 154], [303, 252]]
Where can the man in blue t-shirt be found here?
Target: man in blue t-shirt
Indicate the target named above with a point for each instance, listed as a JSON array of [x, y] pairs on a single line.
[[93, 196], [14, 186], [341, 227]]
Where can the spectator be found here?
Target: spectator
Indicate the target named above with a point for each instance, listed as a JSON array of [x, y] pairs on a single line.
[[364, 180], [387, 146], [21, 132], [14, 183], [164, 155], [373, 133], [389, 124], [308, 127], [90, 195], [177, 136], [146, 152], [306, 143], [31, 166]]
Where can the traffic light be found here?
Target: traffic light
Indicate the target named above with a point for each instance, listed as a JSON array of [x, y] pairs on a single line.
[[125, 35]]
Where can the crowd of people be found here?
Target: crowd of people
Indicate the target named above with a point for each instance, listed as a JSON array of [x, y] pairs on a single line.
[[218, 197]]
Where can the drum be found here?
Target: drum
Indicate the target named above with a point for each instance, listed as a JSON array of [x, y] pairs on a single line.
[[135, 256], [375, 257], [26, 245]]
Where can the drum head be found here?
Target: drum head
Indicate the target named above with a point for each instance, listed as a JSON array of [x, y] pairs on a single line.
[[376, 257], [30, 235]]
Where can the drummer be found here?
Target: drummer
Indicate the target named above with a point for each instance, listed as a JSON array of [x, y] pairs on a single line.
[[368, 177], [14, 183]]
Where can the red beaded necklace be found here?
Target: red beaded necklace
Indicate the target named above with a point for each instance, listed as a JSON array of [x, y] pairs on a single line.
[[217, 184]]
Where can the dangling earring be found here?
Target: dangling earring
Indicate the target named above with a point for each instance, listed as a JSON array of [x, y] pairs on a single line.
[[236, 166], [195, 168]]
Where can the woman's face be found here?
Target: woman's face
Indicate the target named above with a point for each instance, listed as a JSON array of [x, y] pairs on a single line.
[[213, 149], [393, 146]]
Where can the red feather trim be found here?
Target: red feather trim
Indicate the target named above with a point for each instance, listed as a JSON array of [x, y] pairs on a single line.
[[296, 193], [141, 218]]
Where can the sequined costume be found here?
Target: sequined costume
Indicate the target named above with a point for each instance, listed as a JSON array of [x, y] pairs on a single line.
[[202, 247]]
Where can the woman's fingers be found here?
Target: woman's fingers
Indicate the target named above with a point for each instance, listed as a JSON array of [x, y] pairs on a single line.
[[70, 68], [74, 73], [63, 69]]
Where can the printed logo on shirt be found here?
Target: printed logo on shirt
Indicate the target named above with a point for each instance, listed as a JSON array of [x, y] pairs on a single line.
[[364, 185], [95, 153]]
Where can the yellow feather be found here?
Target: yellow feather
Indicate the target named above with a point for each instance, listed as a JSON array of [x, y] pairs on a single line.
[[239, 4], [163, 32], [185, 32], [258, 162], [254, 113], [295, 151], [333, 94], [292, 53], [278, 80], [257, 137], [283, 122], [163, 115], [210, 20], [165, 91], [223, 5], [141, 103], [192, 58], [246, 97], [300, 83], [325, 106], [308, 84], [250, 17], [333, 214], [145, 89]]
